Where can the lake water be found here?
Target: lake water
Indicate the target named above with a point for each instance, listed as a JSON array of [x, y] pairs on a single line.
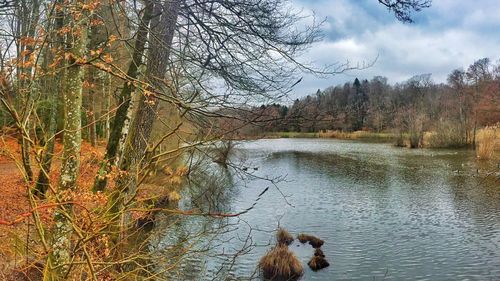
[[385, 213]]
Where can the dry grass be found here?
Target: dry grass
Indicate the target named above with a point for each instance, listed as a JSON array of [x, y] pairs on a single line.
[[318, 252], [317, 263], [315, 242], [488, 141], [283, 237], [281, 264], [303, 238], [334, 134], [354, 135], [286, 135]]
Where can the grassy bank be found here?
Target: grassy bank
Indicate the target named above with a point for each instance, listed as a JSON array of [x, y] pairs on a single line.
[[286, 135], [366, 135], [358, 135], [487, 139]]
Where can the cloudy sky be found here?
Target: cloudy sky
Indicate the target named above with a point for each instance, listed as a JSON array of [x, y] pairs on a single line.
[[451, 34]]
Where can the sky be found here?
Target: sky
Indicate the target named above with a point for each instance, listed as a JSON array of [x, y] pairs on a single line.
[[450, 34]]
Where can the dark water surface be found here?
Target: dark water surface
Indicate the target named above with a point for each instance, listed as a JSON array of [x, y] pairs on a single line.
[[385, 213]]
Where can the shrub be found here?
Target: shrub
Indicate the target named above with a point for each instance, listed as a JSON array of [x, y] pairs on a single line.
[[446, 134]]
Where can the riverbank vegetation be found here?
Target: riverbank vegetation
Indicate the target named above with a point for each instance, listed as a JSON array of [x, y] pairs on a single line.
[[335, 134], [488, 143], [415, 113], [487, 139]]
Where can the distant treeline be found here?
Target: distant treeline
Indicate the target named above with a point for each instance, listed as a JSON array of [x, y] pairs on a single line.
[[454, 110]]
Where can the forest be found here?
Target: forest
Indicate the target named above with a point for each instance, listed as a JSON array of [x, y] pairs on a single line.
[[453, 111]]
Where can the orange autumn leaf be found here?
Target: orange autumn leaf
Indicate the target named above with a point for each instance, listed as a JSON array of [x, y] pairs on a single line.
[[112, 38], [107, 58]]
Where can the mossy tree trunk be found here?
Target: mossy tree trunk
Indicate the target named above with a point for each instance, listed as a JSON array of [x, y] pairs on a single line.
[[60, 257], [162, 31], [91, 111], [120, 120], [137, 141]]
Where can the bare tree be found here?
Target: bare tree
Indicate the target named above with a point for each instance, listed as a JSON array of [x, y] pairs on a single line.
[[403, 9], [478, 73]]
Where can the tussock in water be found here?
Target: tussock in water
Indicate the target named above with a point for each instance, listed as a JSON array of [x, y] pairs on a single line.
[[317, 263], [319, 253], [280, 264], [283, 237], [303, 238], [315, 242]]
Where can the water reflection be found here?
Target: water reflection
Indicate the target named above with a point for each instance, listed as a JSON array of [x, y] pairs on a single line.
[[385, 213]]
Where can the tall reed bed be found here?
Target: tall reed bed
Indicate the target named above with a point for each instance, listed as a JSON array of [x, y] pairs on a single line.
[[488, 142]]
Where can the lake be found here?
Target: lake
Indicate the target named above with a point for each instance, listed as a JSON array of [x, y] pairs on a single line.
[[385, 213]]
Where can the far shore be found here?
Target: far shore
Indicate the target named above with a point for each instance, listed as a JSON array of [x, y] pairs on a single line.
[[357, 135], [487, 146]]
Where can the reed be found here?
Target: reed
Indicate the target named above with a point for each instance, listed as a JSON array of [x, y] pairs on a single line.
[[488, 141]]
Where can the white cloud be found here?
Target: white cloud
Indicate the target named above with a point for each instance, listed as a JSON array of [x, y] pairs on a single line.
[[455, 34]]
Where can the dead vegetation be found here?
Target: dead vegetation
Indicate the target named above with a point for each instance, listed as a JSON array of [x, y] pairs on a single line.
[[318, 252], [488, 141], [280, 264], [315, 242], [317, 262], [283, 237]]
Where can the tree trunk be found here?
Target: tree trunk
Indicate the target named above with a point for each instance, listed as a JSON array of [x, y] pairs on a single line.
[[43, 179], [124, 102], [25, 154], [54, 86], [91, 108], [136, 145], [107, 105], [162, 31], [27, 23], [60, 257]]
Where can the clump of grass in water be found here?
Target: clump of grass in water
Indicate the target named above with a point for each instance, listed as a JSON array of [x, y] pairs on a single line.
[[318, 262], [281, 264], [315, 242], [283, 237]]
